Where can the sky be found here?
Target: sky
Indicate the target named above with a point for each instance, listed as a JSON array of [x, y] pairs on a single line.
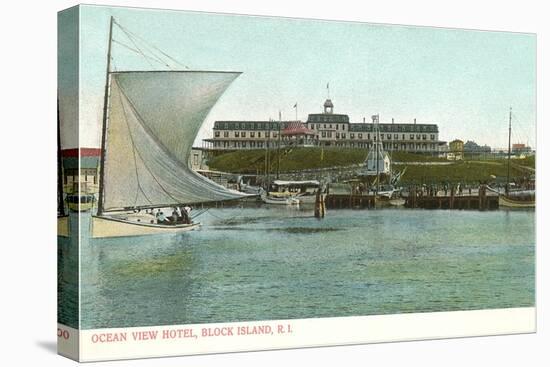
[[463, 80]]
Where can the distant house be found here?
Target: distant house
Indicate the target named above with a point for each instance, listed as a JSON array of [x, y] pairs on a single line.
[[80, 167], [472, 147], [456, 150], [519, 149]]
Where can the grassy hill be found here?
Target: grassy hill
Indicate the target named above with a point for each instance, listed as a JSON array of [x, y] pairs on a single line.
[[459, 171], [253, 161], [297, 159]]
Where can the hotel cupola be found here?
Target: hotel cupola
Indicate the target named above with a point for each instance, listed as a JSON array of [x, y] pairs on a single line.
[[329, 107]]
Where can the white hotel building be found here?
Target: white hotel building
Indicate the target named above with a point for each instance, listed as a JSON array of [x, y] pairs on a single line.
[[325, 129]]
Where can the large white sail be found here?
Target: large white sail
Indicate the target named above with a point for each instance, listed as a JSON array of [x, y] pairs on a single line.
[[153, 120]]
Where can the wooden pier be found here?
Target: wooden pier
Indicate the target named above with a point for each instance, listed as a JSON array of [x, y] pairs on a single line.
[[482, 200], [343, 201]]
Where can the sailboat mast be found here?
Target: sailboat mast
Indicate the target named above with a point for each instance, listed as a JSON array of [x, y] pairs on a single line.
[[509, 149], [377, 153], [279, 146], [60, 202], [104, 125], [268, 165]]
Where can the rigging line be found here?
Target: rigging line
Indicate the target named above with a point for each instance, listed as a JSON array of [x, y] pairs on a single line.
[[200, 212], [151, 45], [229, 216], [152, 56], [132, 38], [135, 45], [140, 188], [137, 52]]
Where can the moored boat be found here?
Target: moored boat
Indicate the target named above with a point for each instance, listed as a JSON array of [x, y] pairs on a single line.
[[515, 198]]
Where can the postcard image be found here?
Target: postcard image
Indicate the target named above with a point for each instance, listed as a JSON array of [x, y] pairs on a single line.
[[234, 183]]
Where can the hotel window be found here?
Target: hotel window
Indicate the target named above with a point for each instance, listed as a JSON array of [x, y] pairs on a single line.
[[311, 126], [243, 134], [252, 144], [236, 134], [323, 134], [403, 136], [226, 134], [267, 134], [360, 136], [217, 134], [330, 126], [417, 136], [337, 135], [324, 126], [423, 136], [432, 137], [226, 125], [368, 136], [337, 126], [252, 134], [352, 135], [411, 136], [395, 136], [329, 134], [389, 136], [343, 135], [244, 144], [343, 126], [318, 126], [274, 135]]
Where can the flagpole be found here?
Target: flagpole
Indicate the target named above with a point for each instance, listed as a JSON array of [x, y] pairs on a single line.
[[279, 146]]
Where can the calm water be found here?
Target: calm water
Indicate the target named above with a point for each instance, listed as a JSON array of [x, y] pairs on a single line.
[[281, 263]]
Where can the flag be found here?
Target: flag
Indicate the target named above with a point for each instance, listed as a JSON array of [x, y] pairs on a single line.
[[327, 85], [296, 105]]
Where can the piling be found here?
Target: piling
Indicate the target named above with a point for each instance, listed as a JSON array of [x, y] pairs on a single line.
[[319, 211]]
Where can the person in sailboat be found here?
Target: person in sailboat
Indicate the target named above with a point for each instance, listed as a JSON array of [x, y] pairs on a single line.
[[161, 219], [175, 216], [187, 214]]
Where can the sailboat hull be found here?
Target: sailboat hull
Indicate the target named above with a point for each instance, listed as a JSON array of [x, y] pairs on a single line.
[[504, 201], [104, 227], [280, 201]]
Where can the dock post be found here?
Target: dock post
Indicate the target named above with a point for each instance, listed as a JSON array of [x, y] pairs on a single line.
[[452, 198], [319, 211], [482, 197]]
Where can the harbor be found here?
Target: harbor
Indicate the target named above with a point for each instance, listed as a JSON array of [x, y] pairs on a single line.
[[283, 263], [195, 206]]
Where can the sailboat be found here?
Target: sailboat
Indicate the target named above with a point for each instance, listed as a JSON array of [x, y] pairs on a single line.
[[150, 120], [515, 198], [378, 164]]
